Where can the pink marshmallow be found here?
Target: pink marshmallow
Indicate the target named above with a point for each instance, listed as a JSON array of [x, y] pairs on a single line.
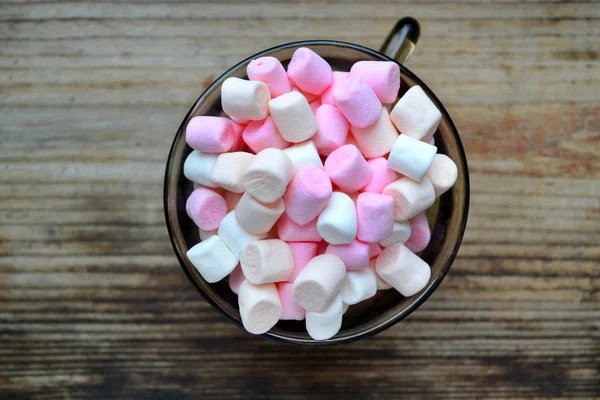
[[337, 78], [307, 194], [206, 208], [348, 169], [303, 252], [263, 134], [309, 97], [238, 142], [236, 278], [382, 76], [431, 141], [290, 231], [309, 71], [269, 71], [291, 309], [374, 250], [354, 255], [314, 105], [420, 233], [210, 134], [357, 101], [382, 175], [332, 129], [375, 217], [322, 247]]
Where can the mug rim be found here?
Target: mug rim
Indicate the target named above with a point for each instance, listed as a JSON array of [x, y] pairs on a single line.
[[426, 293]]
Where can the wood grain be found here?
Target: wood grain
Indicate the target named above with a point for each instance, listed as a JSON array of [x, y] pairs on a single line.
[[93, 303]]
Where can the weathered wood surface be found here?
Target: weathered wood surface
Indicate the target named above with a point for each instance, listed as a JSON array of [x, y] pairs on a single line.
[[93, 303]]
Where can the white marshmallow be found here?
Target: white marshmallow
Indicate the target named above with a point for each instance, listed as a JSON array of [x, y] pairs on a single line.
[[245, 100], [269, 260], [324, 325], [410, 197], [400, 234], [197, 167], [377, 139], [228, 170], [256, 217], [442, 174], [302, 155], [232, 199], [358, 286], [337, 222], [345, 308], [293, 117], [260, 307], [381, 284], [234, 236], [206, 234], [212, 259], [411, 157], [402, 269], [267, 175], [415, 115], [319, 283]]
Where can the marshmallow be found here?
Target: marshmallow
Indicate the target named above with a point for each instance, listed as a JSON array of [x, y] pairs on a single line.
[[337, 79], [324, 325], [382, 76], [375, 249], [197, 167], [375, 217], [319, 283], [442, 173], [381, 284], [431, 141], [303, 252], [245, 100], [206, 208], [236, 278], [267, 175], [420, 236], [302, 155], [345, 308], [377, 139], [263, 134], [402, 269], [355, 255], [290, 231], [322, 247], [307, 194], [410, 197], [314, 105], [401, 231], [337, 222], [238, 142], [256, 217], [332, 129], [234, 236], [348, 169], [268, 260], [228, 170], [204, 234], [210, 134], [381, 177], [232, 199], [260, 306], [212, 259], [357, 101], [269, 71], [415, 115], [308, 96], [309, 71], [358, 286], [411, 157], [293, 117], [291, 309]]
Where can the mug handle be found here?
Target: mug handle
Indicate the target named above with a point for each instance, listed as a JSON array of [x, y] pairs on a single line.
[[402, 39]]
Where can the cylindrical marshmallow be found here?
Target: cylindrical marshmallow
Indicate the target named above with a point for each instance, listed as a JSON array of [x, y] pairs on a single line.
[[420, 236], [357, 101], [293, 117], [291, 309], [238, 142], [260, 306], [382, 76], [268, 260], [302, 155], [206, 208], [204, 234], [269, 71], [307, 195], [401, 231], [355, 255], [232, 199], [256, 217], [358, 286], [375, 217], [377, 139], [245, 100], [332, 129], [402, 269], [212, 259], [314, 105], [309, 71], [345, 308], [290, 231], [236, 278], [228, 170], [197, 167], [381, 177], [303, 252], [267, 176], [308, 96], [381, 284], [234, 236], [348, 169], [337, 222], [442, 173], [319, 283], [210, 134], [411, 157], [410, 197], [322, 247], [415, 115], [260, 135], [337, 78], [375, 249], [324, 325]]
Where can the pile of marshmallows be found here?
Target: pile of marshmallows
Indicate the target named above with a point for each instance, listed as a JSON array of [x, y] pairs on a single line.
[[313, 237]]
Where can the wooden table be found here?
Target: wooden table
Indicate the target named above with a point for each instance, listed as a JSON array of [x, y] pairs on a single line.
[[94, 303]]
